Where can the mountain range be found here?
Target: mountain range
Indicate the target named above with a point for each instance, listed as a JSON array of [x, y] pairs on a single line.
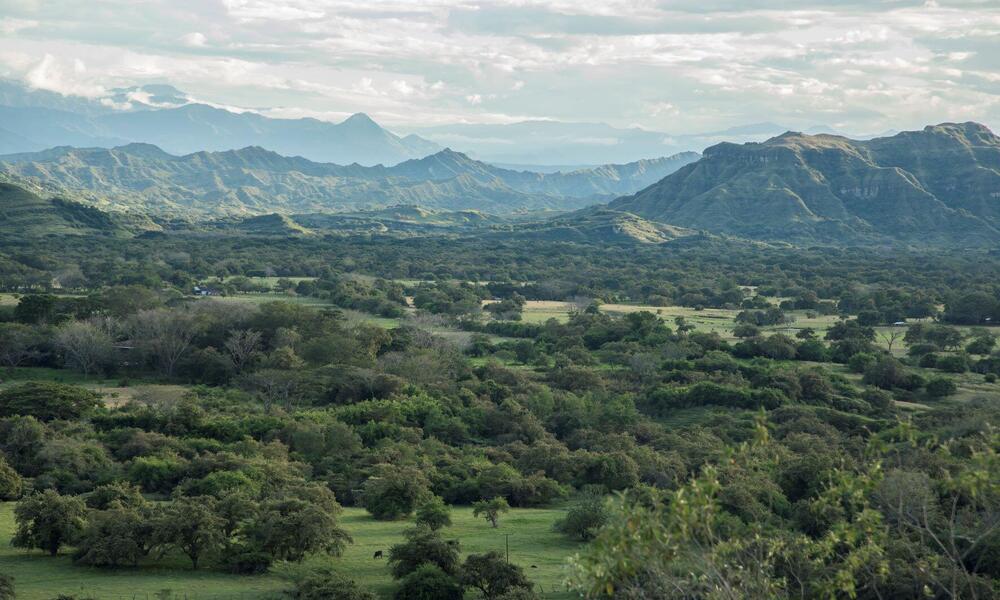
[[940, 185], [253, 180]]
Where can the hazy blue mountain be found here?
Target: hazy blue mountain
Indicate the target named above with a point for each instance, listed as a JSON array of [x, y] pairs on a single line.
[[563, 143], [164, 116]]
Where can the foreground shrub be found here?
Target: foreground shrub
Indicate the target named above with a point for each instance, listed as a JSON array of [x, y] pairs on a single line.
[[429, 582]]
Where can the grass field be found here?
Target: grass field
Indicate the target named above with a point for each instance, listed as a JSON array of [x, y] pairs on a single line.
[[532, 542]]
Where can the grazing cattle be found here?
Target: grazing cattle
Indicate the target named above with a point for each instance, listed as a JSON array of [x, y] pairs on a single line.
[[378, 554], [534, 566]]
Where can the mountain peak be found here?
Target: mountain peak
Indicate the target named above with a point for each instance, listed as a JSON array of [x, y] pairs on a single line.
[[360, 119]]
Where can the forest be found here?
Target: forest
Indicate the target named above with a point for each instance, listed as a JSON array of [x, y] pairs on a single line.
[[700, 419]]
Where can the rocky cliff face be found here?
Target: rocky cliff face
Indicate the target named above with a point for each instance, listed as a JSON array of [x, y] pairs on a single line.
[[935, 186]]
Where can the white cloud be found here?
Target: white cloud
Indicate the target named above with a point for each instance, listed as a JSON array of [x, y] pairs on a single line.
[[867, 66], [194, 39]]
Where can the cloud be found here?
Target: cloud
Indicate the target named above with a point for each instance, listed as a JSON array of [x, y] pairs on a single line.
[[868, 66], [194, 39]]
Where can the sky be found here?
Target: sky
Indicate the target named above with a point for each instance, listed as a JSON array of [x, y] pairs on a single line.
[[680, 66]]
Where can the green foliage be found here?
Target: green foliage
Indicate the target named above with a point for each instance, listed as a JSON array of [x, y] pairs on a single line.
[[47, 401], [11, 484], [939, 387], [585, 518], [433, 513], [48, 521], [429, 582], [327, 585], [491, 509], [492, 575], [7, 590], [423, 546], [393, 493], [190, 525]]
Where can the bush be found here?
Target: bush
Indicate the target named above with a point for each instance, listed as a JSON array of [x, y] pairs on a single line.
[[584, 519], [860, 362], [394, 493], [423, 546], [953, 363], [326, 585], [939, 387], [433, 513], [429, 582]]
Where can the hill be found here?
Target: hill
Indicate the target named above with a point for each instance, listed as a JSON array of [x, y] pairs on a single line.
[[25, 214], [253, 181], [938, 186], [602, 225]]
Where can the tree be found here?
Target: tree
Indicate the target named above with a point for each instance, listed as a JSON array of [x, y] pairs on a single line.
[[393, 493], [85, 346], [433, 513], [48, 521], [492, 575], [423, 545], [47, 401], [982, 344], [429, 582], [890, 336], [117, 536], [746, 330], [11, 484], [190, 525], [584, 519], [290, 528], [243, 347], [886, 373], [19, 344], [326, 585], [164, 336], [491, 509]]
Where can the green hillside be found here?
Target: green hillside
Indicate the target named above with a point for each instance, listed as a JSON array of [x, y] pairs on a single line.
[[25, 214], [935, 186]]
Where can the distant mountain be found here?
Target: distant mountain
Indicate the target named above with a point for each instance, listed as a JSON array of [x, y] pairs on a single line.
[[257, 181], [563, 143], [940, 185], [167, 117], [26, 214]]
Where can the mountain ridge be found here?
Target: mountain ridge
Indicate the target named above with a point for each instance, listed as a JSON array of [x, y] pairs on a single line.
[[937, 185], [255, 180]]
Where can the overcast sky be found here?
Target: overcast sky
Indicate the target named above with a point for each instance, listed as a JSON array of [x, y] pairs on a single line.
[[680, 66]]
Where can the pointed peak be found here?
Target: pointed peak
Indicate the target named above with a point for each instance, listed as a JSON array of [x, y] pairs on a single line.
[[360, 119]]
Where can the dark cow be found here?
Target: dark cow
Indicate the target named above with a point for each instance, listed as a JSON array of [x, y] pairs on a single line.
[[378, 554]]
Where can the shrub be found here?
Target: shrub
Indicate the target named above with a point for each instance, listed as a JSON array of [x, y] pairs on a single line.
[[326, 585], [429, 582], [953, 363], [394, 493], [584, 519], [861, 361], [423, 546], [939, 387], [433, 513], [492, 575]]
